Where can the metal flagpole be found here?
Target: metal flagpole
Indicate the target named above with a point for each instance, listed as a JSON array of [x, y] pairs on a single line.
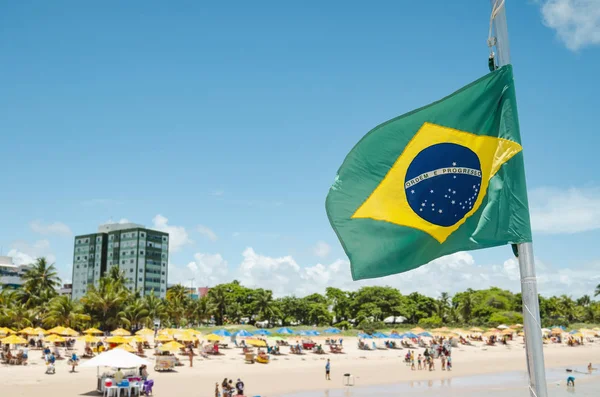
[[531, 308]]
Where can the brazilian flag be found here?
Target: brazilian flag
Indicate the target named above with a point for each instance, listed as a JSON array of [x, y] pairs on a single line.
[[444, 178]]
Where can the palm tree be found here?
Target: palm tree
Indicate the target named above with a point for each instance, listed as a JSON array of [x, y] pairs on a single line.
[[585, 300], [178, 292], [264, 305], [597, 292], [219, 298], [176, 311], [155, 307], [202, 310], [40, 280], [134, 314], [443, 305], [106, 301], [65, 312], [466, 306]]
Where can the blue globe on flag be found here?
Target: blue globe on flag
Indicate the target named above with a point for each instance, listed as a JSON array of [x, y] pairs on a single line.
[[443, 182]]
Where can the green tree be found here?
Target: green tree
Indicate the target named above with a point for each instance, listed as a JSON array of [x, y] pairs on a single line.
[[40, 282], [65, 312]]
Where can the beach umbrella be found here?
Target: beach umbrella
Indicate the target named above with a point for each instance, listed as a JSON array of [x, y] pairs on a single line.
[[56, 330], [490, 333], [185, 337], [425, 334], [507, 332], [145, 332], [117, 339], [171, 346], [256, 342], [556, 331], [120, 332], [14, 340], [116, 358], [364, 336], [39, 330], [301, 332], [89, 338], [285, 331], [69, 332], [417, 330], [574, 332], [243, 333], [126, 347], [93, 331], [475, 329], [379, 335], [577, 335], [54, 338], [442, 329], [395, 336], [332, 330], [27, 331], [194, 332], [502, 326], [263, 332], [138, 339], [410, 335], [458, 331], [6, 331], [163, 338], [517, 326], [222, 332], [214, 337]]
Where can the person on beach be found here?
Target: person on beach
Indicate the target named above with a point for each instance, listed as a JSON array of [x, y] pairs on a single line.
[[412, 363], [217, 393], [191, 354], [239, 387], [419, 361], [328, 370], [143, 372], [443, 358], [571, 381], [449, 363]]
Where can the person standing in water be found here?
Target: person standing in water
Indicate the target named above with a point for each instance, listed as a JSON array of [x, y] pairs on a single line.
[[328, 370]]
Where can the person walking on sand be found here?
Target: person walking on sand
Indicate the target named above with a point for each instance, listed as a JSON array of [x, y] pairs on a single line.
[[419, 361], [328, 370], [443, 358], [217, 392], [412, 362], [449, 363], [191, 354]]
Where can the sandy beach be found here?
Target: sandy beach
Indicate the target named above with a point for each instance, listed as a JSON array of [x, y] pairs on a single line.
[[290, 373]]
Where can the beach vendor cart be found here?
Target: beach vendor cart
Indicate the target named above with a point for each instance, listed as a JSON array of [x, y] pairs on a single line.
[[113, 360], [165, 363]]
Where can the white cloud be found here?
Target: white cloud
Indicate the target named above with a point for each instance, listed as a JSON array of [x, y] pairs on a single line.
[[321, 249], [235, 234], [178, 236], [565, 211], [217, 193], [24, 253], [56, 228], [207, 232], [452, 273], [577, 22]]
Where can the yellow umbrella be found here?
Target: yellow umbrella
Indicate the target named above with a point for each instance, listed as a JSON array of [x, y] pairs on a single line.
[[56, 330], [14, 340], [443, 329], [120, 332], [69, 332], [417, 330], [490, 333], [28, 331], [458, 331], [93, 331], [185, 337], [126, 347], [213, 338], [39, 330], [138, 339], [54, 338], [516, 326], [475, 329], [577, 335], [117, 339], [556, 331], [5, 330], [163, 338], [90, 338], [256, 342], [508, 332], [145, 331], [171, 346]]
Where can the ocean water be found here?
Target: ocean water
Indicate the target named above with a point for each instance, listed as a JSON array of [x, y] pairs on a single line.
[[505, 384]]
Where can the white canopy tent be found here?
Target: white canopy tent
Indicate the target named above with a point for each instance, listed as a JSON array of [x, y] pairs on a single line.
[[116, 358]]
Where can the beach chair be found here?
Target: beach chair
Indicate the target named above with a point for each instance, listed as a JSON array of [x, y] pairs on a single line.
[[147, 387], [249, 358]]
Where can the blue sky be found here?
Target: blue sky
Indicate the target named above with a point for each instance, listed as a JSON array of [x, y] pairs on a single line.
[[225, 125]]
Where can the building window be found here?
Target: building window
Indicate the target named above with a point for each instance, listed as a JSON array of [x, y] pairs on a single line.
[[131, 261], [85, 257], [78, 258], [87, 240], [163, 273], [130, 270], [164, 239], [162, 290], [142, 234], [132, 252], [141, 279], [163, 281], [122, 262], [164, 264], [78, 241], [77, 266], [141, 252], [141, 270]]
